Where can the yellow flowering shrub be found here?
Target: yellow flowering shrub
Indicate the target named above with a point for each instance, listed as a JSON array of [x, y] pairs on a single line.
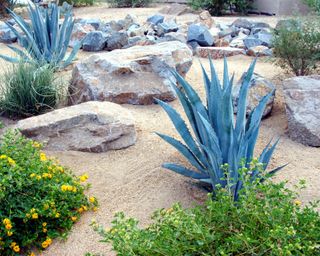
[[39, 199]]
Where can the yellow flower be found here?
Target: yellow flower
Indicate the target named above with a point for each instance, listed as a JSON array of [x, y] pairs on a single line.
[[13, 244], [35, 216], [33, 210], [3, 157], [297, 202], [16, 248], [80, 210], [28, 215], [95, 209], [9, 233], [8, 226], [44, 244], [74, 218], [36, 144], [57, 215], [74, 189], [44, 230], [83, 177], [44, 224], [11, 161], [46, 206], [85, 208], [6, 221], [32, 175], [38, 177], [92, 199], [43, 157], [31, 254]]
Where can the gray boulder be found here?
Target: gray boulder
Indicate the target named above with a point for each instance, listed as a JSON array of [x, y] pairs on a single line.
[[94, 41], [259, 87], [96, 23], [116, 40], [90, 127], [302, 99], [166, 27], [243, 23], [155, 19], [200, 34], [252, 41], [266, 38], [7, 36]]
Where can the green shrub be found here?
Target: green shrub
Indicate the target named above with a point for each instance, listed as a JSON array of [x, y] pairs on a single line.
[[46, 40], [128, 3], [314, 5], [221, 144], [39, 199], [29, 90], [267, 220], [297, 46], [218, 7]]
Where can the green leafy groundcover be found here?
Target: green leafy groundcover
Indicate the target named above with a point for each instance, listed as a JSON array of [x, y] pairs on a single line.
[[39, 199], [267, 220]]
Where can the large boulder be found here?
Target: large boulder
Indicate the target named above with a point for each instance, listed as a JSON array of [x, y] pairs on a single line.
[[200, 34], [91, 127], [116, 40], [302, 99], [258, 88], [134, 75]]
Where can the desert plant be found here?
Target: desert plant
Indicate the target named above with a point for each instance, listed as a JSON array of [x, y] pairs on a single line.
[[129, 3], [297, 46], [219, 145], [39, 199], [28, 89], [218, 7], [314, 5], [267, 220], [45, 40]]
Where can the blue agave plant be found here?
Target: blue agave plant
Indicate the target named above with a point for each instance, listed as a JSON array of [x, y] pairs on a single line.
[[219, 138], [45, 40]]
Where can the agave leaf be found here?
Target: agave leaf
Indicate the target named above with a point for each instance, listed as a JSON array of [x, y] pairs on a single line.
[[185, 151], [19, 52], [185, 171], [182, 129], [9, 59]]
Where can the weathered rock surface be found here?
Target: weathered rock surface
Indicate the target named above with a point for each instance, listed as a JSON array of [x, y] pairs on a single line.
[[116, 40], [218, 52], [94, 41], [205, 19], [91, 127], [259, 51], [135, 75], [200, 34], [7, 36], [175, 9], [259, 87], [155, 19], [79, 32], [302, 99]]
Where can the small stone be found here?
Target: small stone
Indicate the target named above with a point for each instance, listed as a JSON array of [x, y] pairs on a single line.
[[94, 41], [200, 34], [155, 19], [205, 19], [116, 40], [259, 51]]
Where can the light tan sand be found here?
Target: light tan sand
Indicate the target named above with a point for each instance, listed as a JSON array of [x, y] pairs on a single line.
[[133, 181]]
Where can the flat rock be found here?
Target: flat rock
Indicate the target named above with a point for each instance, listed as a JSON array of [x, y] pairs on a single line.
[[243, 23], [218, 52], [91, 127], [259, 87], [302, 99], [259, 51], [135, 75]]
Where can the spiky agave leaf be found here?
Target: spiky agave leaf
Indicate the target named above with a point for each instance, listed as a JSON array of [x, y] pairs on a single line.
[[219, 137], [45, 40]]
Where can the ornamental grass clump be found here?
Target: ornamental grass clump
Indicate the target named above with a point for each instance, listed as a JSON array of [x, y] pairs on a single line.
[[268, 219], [28, 89], [45, 40], [220, 143], [39, 199]]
